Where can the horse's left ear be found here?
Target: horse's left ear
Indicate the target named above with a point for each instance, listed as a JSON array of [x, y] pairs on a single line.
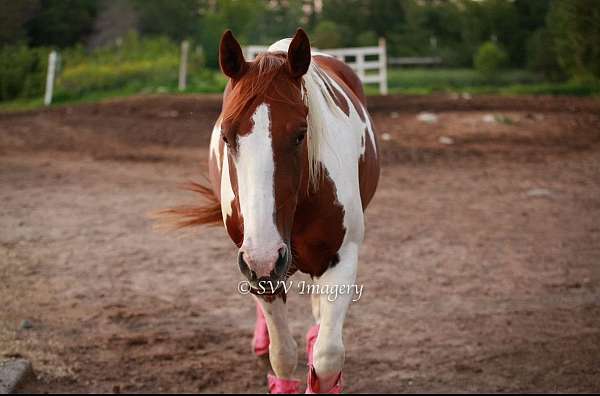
[[299, 54], [231, 57]]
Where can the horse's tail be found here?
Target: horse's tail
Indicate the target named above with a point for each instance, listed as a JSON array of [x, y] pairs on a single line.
[[207, 213]]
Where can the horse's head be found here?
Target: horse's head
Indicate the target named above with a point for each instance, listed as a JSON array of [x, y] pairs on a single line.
[[264, 126]]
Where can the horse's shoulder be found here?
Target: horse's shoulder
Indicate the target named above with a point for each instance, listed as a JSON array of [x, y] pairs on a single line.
[[339, 69]]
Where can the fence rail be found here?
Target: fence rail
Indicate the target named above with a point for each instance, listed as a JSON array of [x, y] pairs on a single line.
[[360, 59]]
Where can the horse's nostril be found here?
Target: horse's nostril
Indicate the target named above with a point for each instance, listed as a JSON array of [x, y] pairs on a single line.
[[281, 263], [245, 269]]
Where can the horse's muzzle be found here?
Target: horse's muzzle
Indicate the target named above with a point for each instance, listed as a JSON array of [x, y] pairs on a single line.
[[277, 273]]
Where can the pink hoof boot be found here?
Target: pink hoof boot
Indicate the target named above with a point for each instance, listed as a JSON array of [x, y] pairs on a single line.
[[280, 385], [260, 341], [311, 338], [313, 386]]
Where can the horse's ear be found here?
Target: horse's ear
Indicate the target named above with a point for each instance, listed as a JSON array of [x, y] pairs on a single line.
[[299, 54], [231, 58]]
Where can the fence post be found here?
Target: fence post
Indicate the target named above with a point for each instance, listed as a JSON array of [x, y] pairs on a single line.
[[383, 83], [50, 78], [185, 46]]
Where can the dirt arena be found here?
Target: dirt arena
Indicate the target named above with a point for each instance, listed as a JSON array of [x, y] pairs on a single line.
[[481, 266]]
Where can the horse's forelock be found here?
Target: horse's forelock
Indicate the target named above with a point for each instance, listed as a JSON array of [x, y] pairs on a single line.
[[256, 83]]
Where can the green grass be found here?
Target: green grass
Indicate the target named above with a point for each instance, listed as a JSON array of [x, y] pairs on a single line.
[[401, 81], [62, 98], [424, 81], [446, 79]]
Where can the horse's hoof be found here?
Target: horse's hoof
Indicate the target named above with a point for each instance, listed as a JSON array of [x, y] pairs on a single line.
[[260, 340], [281, 385], [311, 338], [313, 386]]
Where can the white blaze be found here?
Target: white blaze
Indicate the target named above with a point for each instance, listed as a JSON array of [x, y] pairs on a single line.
[[255, 169]]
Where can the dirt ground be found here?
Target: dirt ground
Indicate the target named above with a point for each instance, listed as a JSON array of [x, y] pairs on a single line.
[[481, 266]]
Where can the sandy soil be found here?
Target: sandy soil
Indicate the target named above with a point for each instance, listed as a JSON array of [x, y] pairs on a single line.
[[481, 267]]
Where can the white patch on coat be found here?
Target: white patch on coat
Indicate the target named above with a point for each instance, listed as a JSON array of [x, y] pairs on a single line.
[[215, 141], [227, 194], [281, 45]]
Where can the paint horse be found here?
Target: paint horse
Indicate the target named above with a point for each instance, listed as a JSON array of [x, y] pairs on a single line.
[[293, 165]]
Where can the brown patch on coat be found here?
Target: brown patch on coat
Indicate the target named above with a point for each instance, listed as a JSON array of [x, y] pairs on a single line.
[[368, 170], [318, 230]]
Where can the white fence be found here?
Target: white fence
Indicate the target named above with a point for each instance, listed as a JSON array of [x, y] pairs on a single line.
[[369, 63]]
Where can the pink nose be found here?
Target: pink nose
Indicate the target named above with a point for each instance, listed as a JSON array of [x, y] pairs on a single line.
[[256, 265]]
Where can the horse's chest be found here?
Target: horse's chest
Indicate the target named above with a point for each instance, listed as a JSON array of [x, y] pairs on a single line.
[[318, 230]]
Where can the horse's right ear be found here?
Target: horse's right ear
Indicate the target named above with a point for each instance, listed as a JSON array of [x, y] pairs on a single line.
[[231, 57]]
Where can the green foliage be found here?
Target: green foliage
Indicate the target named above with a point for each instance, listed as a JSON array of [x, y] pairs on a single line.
[[510, 82], [62, 23], [575, 28], [176, 19], [327, 35], [489, 60], [455, 79], [240, 16], [13, 16], [135, 63], [22, 71], [367, 39], [541, 55], [555, 39], [384, 17], [430, 29]]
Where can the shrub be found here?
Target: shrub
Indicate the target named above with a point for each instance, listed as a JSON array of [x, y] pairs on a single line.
[[489, 59], [132, 63], [22, 71]]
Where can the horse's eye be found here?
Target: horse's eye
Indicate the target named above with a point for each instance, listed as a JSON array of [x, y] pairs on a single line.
[[225, 139], [300, 138]]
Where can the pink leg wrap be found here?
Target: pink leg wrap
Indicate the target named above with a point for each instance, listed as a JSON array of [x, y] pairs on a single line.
[[280, 385], [311, 338], [260, 341], [312, 385]]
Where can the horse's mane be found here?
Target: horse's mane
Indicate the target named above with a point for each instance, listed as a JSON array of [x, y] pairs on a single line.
[[258, 82]]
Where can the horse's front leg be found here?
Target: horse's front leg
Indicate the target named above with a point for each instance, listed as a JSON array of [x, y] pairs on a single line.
[[283, 352], [328, 352]]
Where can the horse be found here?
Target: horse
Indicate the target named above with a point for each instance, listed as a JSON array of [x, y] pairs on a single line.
[[293, 164]]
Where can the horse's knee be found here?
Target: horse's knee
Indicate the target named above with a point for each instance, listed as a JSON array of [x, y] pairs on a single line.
[[284, 358], [328, 358]]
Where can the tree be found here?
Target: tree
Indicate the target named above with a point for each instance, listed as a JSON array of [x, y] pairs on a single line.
[[178, 19], [352, 17], [490, 20], [575, 29], [367, 39], [326, 35], [13, 17], [541, 55], [61, 23]]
